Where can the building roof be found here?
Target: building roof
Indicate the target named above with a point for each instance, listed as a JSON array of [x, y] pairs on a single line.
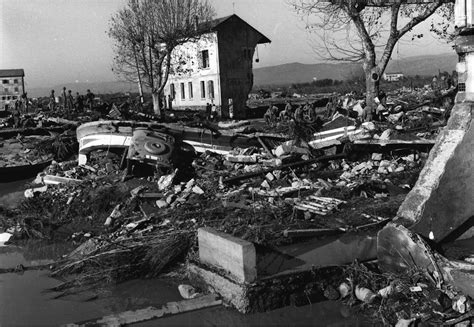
[[394, 73], [214, 25], [12, 72]]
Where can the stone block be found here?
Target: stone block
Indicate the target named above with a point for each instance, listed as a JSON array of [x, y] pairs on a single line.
[[234, 255]]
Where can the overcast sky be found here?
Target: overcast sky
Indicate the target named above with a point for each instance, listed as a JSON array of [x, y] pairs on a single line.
[[62, 41]]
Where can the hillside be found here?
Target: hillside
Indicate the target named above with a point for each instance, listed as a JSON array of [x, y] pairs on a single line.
[[301, 73], [286, 74]]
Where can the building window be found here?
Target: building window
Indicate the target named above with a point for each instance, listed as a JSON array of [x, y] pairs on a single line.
[[5, 90], [190, 89], [183, 96], [172, 91], [14, 97], [15, 81], [205, 58], [5, 81], [203, 90], [17, 89], [4, 98], [210, 88]]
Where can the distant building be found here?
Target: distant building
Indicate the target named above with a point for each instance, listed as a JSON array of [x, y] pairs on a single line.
[[12, 87], [392, 77], [215, 69]]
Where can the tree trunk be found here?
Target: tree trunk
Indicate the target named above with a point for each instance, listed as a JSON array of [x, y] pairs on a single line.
[[157, 104], [372, 83]]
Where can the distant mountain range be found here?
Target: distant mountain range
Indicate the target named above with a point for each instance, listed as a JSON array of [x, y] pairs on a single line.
[[286, 74], [301, 73]]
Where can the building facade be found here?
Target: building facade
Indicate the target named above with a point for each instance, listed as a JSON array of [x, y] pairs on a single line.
[[12, 87], [216, 69], [392, 77]]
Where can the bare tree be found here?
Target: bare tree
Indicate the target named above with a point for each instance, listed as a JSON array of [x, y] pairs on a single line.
[[146, 32], [367, 30]]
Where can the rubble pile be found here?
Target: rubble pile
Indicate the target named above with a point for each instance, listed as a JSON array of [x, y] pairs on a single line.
[[323, 178], [415, 297], [23, 151]]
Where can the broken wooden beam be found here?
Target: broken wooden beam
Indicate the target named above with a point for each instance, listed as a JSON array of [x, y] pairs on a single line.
[[171, 308], [314, 232], [286, 166]]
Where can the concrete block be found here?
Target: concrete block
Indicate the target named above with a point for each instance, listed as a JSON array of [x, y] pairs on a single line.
[[234, 255], [231, 292]]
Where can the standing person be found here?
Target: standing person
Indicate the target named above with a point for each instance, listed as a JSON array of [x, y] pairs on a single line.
[[269, 119], [288, 108], [79, 102], [16, 114], [90, 98], [214, 113], [69, 101], [208, 111], [52, 101], [24, 99], [298, 115], [63, 98]]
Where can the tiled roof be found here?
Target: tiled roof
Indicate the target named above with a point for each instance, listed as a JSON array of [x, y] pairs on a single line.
[[11, 72]]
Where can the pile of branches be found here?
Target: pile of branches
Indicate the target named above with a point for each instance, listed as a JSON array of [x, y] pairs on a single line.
[[103, 260]]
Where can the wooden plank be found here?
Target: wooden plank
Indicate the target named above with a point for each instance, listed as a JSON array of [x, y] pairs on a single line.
[[311, 232], [171, 308], [151, 195]]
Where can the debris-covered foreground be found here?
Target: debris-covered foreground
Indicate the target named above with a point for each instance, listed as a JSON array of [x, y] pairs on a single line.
[[128, 227]]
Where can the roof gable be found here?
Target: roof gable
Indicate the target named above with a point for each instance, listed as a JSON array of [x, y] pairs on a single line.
[[215, 24]]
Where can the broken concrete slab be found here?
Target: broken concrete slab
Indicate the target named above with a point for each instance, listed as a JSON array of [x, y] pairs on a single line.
[[234, 255], [441, 200], [399, 249]]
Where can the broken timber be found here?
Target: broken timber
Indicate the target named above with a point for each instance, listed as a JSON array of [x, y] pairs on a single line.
[[171, 308], [290, 165]]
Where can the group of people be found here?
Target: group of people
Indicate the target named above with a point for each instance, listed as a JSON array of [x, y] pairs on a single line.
[[69, 103], [211, 112], [302, 113]]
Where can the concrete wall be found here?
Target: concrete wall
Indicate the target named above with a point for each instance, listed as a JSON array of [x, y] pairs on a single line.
[[442, 199], [187, 65]]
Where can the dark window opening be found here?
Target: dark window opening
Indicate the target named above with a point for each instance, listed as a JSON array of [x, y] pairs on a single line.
[[203, 90], [15, 81], [190, 89], [210, 87], [182, 91], [205, 58], [172, 91], [5, 81]]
